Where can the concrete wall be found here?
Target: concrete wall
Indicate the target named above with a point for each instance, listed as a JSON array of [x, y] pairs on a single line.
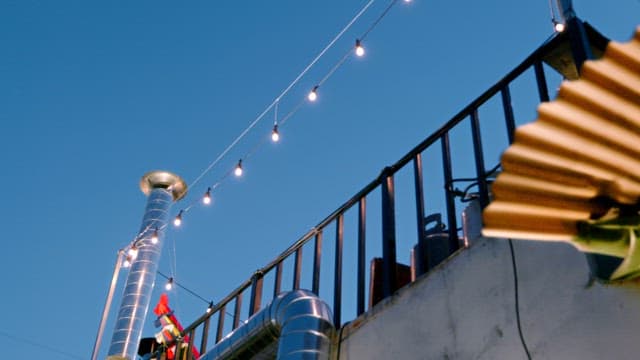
[[465, 309]]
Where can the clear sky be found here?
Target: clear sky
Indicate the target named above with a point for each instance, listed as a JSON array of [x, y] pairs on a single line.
[[95, 94]]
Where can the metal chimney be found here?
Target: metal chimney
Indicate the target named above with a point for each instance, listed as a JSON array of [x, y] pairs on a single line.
[[162, 189]]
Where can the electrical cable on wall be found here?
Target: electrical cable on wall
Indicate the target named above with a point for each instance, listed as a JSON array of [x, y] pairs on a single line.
[[517, 299]]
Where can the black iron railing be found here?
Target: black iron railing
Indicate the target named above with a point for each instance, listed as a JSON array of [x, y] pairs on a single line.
[[200, 331]]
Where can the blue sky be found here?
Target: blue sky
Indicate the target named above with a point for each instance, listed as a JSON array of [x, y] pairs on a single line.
[[93, 95]]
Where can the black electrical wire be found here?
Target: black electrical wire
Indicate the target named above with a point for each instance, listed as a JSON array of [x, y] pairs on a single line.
[[517, 297], [184, 288], [210, 303], [487, 174]]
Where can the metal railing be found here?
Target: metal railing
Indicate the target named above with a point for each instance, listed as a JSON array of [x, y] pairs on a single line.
[[201, 328]]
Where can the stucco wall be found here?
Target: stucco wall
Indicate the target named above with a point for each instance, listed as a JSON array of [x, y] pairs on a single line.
[[465, 309]]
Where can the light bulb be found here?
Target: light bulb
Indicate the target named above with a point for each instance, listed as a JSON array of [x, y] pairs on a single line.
[[178, 220], [210, 307], [407, 1], [154, 237], [359, 49], [558, 26], [169, 285], [238, 170], [207, 197], [127, 262], [133, 252], [275, 135], [313, 95]]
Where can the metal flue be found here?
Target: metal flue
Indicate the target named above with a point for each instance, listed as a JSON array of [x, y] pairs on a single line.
[[162, 189]]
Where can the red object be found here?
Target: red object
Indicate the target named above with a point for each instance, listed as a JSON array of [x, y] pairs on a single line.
[[162, 308]]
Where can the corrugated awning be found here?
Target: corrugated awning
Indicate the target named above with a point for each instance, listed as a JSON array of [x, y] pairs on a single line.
[[578, 164]]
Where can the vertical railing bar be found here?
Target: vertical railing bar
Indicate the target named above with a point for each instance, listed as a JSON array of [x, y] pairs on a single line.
[[541, 80], [317, 257], [278, 280], [479, 159], [236, 311], [192, 336], [205, 335], [450, 201], [337, 282], [178, 352], [256, 293], [423, 246], [220, 328], [362, 248], [297, 269], [389, 282], [508, 113]]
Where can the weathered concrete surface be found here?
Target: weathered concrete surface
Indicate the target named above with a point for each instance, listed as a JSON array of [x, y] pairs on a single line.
[[465, 309]]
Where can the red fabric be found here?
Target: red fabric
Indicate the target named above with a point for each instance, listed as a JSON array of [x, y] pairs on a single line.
[[163, 305], [162, 308]]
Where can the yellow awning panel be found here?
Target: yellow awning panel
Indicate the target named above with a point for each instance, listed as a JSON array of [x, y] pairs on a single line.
[[573, 175]]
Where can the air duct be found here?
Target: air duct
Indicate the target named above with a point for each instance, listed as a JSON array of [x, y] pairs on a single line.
[[296, 325], [162, 189]]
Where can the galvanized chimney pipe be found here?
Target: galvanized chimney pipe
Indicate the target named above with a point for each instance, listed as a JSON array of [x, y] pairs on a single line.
[[162, 189], [296, 325], [565, 7]]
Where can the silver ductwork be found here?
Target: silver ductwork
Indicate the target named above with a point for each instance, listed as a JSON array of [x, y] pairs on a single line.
[[296, 325], [162, 188], [565, 8]]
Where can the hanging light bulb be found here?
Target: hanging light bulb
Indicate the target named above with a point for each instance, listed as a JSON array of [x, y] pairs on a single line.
[[178, 220], [407, 1], [133, 252], [127, 261], [238, 170], [154, 237], [275, 135], [210, 307], [313, 95], [207, 197], [558, 26], [359, 48], [169, 285]]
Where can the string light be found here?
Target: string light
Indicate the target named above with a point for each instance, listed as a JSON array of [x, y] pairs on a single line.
[[169, 285], [286, 90], [127, 261], [133, 252], [178, 220], [154, 237], [210, 307], [313, 95], [207, 197], [359, 48], [558, 26], [275, 135], [238, 170]]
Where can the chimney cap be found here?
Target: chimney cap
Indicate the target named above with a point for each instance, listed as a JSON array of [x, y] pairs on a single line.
[[165, 180]]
